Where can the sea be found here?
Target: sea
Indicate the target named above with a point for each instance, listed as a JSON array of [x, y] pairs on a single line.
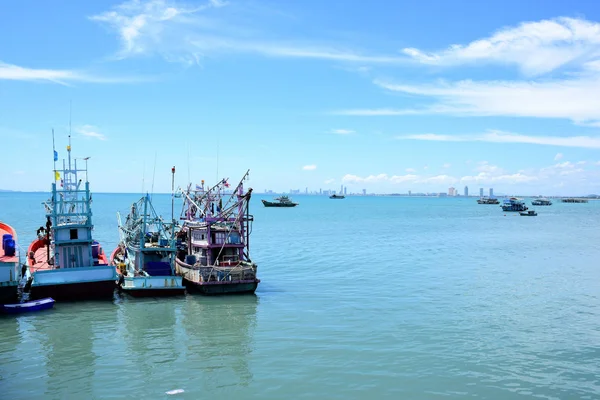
[[360, 298]]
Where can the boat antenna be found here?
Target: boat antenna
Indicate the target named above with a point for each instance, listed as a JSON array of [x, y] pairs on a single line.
[[173, 194], [55, 155], [143, 175], [217, 159], [188, 161], [153, 174]]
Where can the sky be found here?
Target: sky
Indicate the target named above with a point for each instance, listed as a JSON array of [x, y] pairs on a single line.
[[385, 96]]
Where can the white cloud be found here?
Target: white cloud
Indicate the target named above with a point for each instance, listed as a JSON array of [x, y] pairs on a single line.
[[535, 47], [507, 137], [329, 181], [397, 179], [60, 76], [342, 131], [90, 131], [186, 34], [309, 167], [446, 165], [558, 156], [575, 99], [410, 170]]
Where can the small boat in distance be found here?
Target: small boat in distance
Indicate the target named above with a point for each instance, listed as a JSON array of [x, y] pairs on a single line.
[[34, 305], [336, 196], [145, 255], [65, 262], [282, 201], [514, 204], [488, 200], [530, 213], [10, 272], [541, 202], [574, 200]]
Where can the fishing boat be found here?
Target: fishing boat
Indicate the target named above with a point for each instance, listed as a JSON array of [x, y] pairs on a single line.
[[281, 201], [213, 244], [530, 213], [541, 202], [488, 200], [336, 196], [514, 204], [65, 262], [29, 306], [10, 271], [145, 255]]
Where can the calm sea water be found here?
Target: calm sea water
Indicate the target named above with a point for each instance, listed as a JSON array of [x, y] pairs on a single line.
[[395, 298]]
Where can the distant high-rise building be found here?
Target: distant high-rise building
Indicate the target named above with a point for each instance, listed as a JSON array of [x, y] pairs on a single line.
[[480, 192], [320, 191], [345, 190], [364, 192], [451, 191], [466, 191], [491, 192], [409, 193], [341, 189]]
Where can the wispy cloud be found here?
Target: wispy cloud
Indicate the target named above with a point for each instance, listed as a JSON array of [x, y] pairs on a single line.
[[311, 167], [187, 34], [536, 47], [90, 131], [558, 156], [575, 99], [329, 181], [506, 137], [341, 131], [63, 77]]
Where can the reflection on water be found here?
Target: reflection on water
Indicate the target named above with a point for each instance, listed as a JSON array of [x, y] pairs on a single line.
[[221, 332]]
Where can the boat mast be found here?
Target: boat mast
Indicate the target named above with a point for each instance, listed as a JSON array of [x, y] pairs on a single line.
[[173, 196]]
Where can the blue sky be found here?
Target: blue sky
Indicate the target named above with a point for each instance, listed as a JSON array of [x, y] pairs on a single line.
[[383, 95]]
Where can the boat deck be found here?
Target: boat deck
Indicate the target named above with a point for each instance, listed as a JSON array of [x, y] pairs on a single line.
[[4, 229], [40, 256]]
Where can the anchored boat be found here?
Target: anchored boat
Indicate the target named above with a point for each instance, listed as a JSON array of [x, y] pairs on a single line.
[[488, 200], [541, 202], [335, 196], [10, 271], [514, 204], [213, 242], [146, 253], [282, 201], [530, 213], [65, 262]]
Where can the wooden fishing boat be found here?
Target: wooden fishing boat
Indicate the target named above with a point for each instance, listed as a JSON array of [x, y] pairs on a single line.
[[213, 244], [514, 205], [145, 256], [29, 306], [10, 271], [65, 262]]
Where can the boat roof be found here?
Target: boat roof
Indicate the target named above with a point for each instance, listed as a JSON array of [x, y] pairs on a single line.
[[7, 229]]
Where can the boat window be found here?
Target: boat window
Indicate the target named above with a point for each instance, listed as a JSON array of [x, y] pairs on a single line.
[[73, 234]]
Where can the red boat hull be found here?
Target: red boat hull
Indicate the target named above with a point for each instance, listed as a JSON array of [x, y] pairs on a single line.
[[75, 291]]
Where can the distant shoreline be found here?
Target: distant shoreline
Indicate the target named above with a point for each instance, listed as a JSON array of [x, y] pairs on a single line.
[[587, 197]]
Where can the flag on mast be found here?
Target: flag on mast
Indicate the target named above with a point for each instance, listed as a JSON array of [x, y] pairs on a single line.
[[55, 155]]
